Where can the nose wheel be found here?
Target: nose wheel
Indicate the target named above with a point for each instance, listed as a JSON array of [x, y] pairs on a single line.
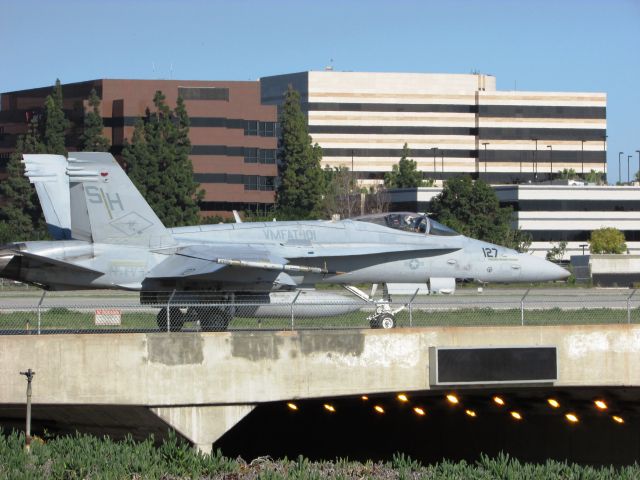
[[384, 316], [383, 321]]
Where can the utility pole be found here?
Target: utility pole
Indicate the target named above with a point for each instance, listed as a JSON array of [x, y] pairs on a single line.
[[29, 374]]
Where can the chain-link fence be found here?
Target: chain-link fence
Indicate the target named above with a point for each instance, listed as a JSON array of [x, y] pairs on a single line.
[[95, 314]]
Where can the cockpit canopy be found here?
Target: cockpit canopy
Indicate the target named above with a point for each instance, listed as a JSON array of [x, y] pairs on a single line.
[[409, 222]]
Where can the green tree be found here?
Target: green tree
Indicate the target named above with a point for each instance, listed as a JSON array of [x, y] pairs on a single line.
[[568, 174], [158, 163], [21, 215], [595, 177], [301, 178], [472, 208], [556, 252], [55, 123], [340, 196], [607, 240], [404, 174], [92, 139]]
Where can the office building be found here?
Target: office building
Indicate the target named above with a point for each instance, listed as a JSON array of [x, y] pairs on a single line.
[[233, 136], [452, 123]]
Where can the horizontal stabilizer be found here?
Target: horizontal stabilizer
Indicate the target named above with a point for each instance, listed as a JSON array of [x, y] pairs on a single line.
[[59, 263]]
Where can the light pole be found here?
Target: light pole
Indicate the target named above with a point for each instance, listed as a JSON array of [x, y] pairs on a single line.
[[535, 158], [435, 149], [638, 171], [619, 170], [582, 159], [550, 147], [604, 162], [485, 155], [628, 177]]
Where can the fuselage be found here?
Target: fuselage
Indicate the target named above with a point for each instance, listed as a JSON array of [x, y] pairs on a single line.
[[348, 251]]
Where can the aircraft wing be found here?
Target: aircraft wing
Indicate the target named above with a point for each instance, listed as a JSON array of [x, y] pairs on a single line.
[[207, 260]]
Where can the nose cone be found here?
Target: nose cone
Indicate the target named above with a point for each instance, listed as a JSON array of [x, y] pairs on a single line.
[[535, 269]]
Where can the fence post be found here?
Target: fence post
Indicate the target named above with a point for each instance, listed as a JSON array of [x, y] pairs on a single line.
[[522, 307], [629, 305], [44, 292], [294, 301], [415, 294], [169, 310]]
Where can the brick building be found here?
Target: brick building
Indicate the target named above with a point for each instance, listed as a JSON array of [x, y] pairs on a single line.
[[233, 136]]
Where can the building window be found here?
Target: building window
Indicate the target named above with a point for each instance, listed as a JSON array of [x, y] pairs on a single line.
[[266, 184], [204, 93], [267, 129], [267, 156], [255, 182], [251, 127], [251, 182], [250, 155]]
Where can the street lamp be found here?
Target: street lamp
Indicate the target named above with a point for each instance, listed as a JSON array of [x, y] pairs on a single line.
[[485, 156], [628, 176], [435, 149], [619, 170], [535, 164], [550, 147], [638, 171], [583, 246]]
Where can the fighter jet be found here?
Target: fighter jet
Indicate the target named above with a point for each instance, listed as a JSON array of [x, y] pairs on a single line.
[[107, 236]]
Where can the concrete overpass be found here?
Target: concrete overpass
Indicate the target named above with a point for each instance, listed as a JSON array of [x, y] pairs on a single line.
[[202, 384]]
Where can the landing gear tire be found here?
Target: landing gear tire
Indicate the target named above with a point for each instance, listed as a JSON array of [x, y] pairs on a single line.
[[384, 321], [176, 318], [214, 319]]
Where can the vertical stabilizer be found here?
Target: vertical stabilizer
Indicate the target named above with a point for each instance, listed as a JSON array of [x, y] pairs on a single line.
[[107, 208], [48, 173]]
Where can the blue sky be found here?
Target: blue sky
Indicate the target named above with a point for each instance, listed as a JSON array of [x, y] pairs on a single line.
[[552, 45]]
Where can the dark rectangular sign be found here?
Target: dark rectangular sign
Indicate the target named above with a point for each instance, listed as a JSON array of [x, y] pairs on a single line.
[[455, 366]]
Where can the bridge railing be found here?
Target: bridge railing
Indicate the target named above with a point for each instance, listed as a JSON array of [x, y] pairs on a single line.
[[125, 314]]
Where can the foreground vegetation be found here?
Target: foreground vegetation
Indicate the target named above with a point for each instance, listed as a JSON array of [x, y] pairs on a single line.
[[89, 457]]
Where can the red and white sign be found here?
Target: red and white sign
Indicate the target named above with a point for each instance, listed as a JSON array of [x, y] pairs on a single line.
[[108, 317]]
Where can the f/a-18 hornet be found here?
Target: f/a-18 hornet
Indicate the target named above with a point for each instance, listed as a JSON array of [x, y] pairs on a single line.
[[107, 236]]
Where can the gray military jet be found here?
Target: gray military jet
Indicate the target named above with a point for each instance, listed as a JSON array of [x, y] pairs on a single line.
[[107, 236]]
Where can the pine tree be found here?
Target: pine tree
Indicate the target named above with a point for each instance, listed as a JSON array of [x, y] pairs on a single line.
[[21, 216], [92, 139], [405, 173], [301, 178], [159, 165], [55, 123]]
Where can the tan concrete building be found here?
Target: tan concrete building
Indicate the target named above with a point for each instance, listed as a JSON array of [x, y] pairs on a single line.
[[452, 123]]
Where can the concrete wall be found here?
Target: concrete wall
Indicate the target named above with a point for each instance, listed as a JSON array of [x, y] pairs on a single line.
[[252, 367]]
